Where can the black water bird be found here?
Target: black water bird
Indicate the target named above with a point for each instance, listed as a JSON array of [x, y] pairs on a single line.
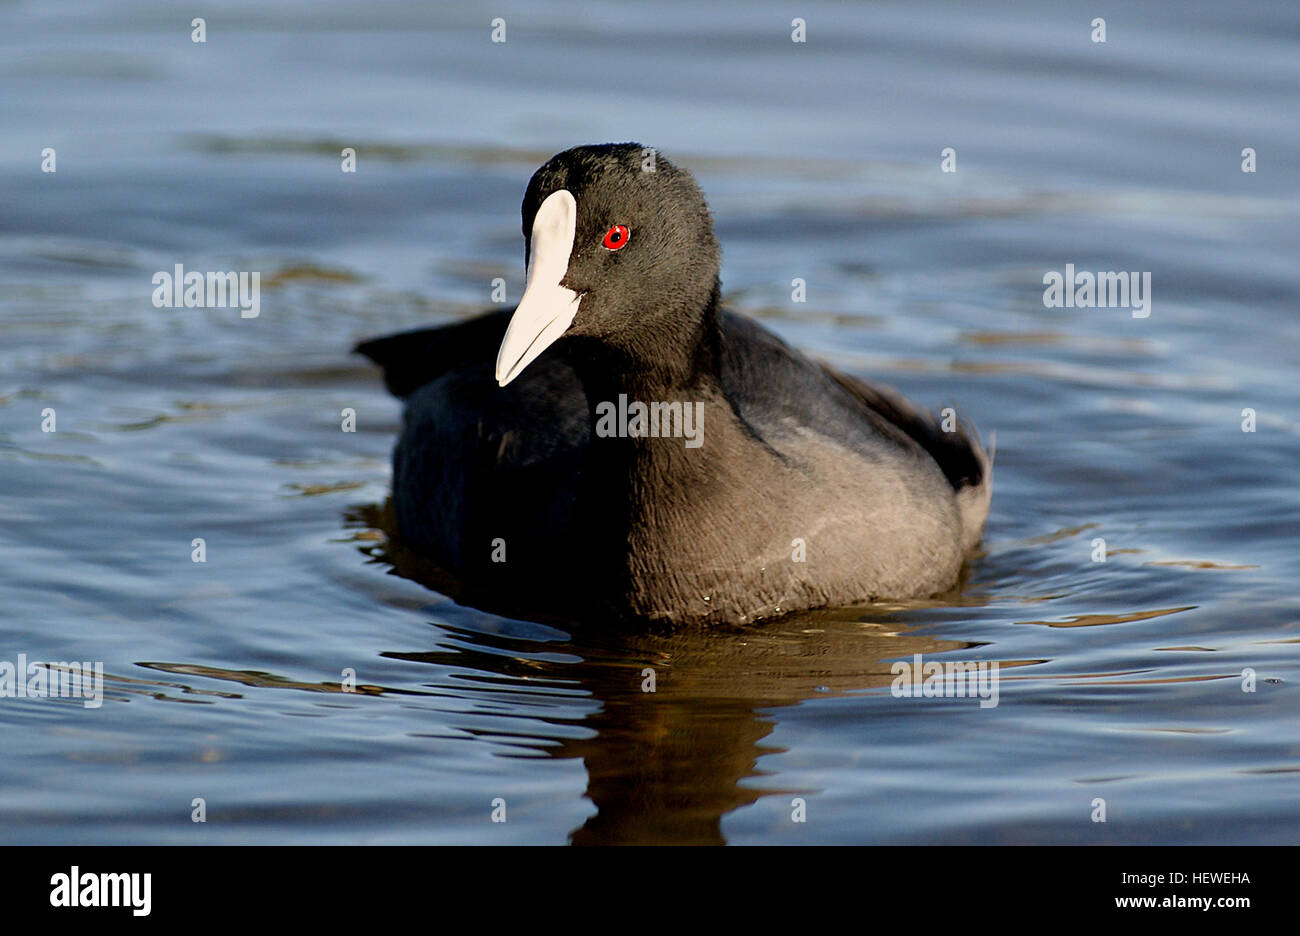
[[750, 481]]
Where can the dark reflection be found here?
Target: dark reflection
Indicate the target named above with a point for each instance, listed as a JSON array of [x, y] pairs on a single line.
[[666, 766]]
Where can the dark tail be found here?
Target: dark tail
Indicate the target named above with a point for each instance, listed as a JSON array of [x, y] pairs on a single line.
[[412, 359]]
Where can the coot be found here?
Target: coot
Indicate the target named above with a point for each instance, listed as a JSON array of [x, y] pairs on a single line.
[[620, 448]]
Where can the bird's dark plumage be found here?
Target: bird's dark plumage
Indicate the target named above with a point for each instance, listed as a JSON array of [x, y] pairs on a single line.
[[808, 487]]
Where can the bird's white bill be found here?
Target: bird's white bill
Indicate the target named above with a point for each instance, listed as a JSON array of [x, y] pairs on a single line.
[[547, 308]]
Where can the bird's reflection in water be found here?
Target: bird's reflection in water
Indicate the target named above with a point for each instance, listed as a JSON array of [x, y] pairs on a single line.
[[665, 766]]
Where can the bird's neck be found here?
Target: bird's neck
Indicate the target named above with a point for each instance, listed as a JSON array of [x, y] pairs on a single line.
[[652, 365], [658, 414]]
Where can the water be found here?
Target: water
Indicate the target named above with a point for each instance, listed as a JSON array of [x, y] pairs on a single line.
[[1121, 680]]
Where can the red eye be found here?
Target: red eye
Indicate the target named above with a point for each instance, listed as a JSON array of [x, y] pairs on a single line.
[[615, 237]]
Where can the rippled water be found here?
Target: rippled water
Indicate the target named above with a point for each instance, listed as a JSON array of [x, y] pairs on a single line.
[[1120, 680]]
